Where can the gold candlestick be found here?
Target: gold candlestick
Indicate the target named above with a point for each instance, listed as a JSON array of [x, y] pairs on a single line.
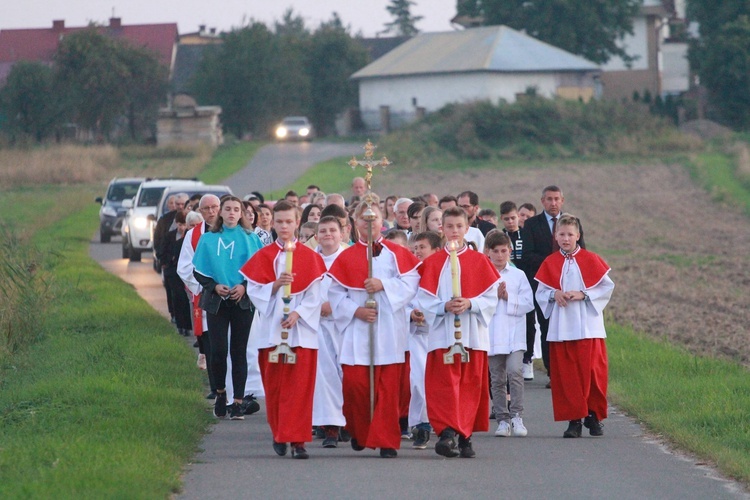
[[283, 349]]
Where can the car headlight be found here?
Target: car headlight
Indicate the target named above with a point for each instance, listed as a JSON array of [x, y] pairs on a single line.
[[304, 132], [281, 132], [109, 211], [140, 223]]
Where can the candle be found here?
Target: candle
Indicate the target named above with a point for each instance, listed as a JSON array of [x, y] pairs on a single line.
[[289, 249], [455, 275]]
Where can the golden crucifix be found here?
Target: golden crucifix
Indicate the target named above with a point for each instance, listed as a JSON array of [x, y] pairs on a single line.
[[369, 215]]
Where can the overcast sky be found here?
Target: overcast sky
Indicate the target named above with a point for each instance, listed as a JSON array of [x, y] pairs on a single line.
[[363, 16]]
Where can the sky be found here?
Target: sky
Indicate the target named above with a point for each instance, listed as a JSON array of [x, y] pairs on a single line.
[[367, 17]]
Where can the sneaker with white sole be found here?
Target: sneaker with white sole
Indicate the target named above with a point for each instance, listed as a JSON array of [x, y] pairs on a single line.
[[516, 424], [528, 371], [503, 429]]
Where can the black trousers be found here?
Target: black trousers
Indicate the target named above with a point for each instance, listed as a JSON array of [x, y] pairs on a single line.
[[181, 308], [543, 328], [240, 320]]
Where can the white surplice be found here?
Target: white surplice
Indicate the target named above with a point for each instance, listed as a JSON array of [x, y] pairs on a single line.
[[508, 325]]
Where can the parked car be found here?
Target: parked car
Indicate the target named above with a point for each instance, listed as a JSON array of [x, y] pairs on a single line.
[[162, 209], [141, 215], [112, 212], [294, 128]]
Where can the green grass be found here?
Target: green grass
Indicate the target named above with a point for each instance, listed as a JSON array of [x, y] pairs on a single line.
[[717, 172], [699, 403], [109, 402], [229, 159], [333, 176]]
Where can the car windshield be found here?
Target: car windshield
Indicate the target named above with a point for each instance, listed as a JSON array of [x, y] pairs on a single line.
[[122, 191], [150, 197], [295, 122]]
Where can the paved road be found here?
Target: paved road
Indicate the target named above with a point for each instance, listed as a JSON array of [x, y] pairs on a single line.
[[276, 166], [236, 459]]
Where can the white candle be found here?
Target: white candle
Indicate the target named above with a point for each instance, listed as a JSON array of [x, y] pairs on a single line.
[[289, 252], [455, 275]]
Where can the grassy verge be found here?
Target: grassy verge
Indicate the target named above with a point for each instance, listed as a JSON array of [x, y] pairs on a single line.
[[722, 174], [109, 402], [229, 159], [333, 176], [698, 403]]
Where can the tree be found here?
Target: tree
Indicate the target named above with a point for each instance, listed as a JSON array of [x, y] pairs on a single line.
[[102, 80], [251, 77], [404, 23], [28, 100], [725, 71], [334, 56], [584, 27]]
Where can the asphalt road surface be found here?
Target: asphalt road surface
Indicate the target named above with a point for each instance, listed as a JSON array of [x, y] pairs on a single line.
[[236, 460]]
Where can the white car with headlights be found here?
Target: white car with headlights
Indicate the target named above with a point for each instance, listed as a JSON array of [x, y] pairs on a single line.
[[294, 128], [141, 216]]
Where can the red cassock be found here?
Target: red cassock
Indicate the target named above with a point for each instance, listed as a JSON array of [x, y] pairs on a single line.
[[288, 388], [350, 271], [197, 311], [578, 368], [458, 394]]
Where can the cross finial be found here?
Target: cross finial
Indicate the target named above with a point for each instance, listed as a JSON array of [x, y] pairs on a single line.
[[368, 162]]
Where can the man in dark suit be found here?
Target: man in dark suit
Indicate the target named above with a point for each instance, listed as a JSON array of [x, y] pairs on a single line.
[[539, 244]]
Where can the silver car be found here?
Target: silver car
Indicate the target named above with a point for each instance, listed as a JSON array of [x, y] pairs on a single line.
[[294, 128]]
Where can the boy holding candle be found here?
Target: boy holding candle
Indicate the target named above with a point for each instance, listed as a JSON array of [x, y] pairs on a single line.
[[457, 283], [283, 281], [574, 288]]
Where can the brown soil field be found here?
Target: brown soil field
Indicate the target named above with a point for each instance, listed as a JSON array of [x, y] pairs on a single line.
[[679, 260]]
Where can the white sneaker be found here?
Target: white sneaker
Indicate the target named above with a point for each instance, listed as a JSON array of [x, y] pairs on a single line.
[[518, 428], [503, 429], [528, 371]]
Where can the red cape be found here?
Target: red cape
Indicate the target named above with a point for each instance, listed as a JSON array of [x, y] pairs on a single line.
[[477, 272], [350, 267], [593, 269], [307, 266], [197, 233]]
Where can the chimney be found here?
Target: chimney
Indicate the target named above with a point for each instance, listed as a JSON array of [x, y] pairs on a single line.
[[202, 29], [213, 31], [58, 25], [115, 22]]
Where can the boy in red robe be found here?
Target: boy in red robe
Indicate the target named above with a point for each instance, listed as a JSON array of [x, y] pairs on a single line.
[[289, 387], [574, 287], [457, 394]]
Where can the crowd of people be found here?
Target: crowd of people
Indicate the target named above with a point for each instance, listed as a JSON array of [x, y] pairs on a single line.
[[432, 334]]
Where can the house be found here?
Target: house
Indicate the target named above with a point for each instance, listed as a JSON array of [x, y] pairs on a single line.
[[40, 44], [184, 122], [494, 62]]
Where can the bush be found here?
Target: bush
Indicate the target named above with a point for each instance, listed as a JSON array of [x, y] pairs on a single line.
[[536, 127]]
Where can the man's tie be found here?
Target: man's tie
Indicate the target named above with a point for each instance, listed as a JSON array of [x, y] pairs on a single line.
[[555, 246]]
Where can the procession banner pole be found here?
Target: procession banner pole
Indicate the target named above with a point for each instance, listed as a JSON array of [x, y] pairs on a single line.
[[370, 216]]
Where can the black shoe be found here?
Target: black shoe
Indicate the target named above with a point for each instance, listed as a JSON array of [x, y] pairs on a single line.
[[195, 344], [388, 453], [492, 415], [593, 424], [211, 395], [299, 451], [279, 448], [356, 446], [421, 438], [220, 405], [446, 446], [344, 435], [574, 429], [250, 405], [332, 436], [319, 432], [235, 411], [464, 447]]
